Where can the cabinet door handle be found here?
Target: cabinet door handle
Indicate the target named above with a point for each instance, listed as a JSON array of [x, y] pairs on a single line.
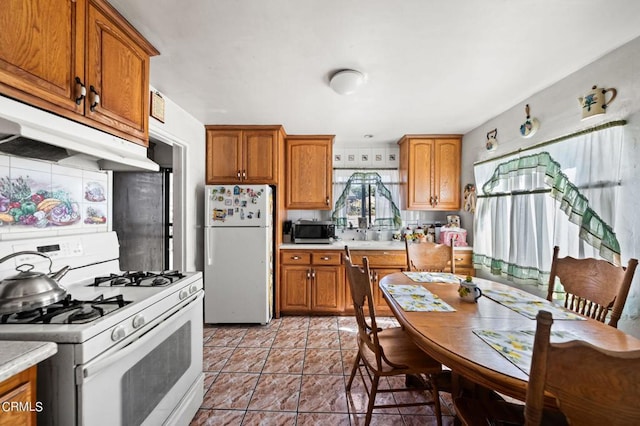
[[244, 174], [325, 258], [313, 274], [435, 199], [238, 174], [295, 257], [94, 98], [308, 274], [327, 201], [81, 91]]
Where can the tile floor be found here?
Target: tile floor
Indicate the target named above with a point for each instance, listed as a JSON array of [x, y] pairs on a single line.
[[293, 371]]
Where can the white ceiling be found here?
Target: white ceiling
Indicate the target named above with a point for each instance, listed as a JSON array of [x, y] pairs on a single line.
[[431, 66]]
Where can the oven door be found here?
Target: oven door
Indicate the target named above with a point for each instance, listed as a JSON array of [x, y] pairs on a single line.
[[146, 379]]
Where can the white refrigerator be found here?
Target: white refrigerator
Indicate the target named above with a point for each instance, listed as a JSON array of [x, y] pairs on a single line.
[[238, 271]]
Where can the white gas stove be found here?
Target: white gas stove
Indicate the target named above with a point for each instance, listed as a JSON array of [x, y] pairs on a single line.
[[122, 332]]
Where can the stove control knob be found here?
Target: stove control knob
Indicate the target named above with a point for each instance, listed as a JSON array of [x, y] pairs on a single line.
[[183, 294], [138, 321], [118, 333], [193, 288]]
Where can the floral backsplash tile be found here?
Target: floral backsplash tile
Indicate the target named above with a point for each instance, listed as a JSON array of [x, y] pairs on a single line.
[[36, 195]]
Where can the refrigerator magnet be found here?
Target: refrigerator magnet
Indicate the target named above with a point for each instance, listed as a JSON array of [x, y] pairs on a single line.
[[236, 190], [228, 202], [229, 212], [219, 214]]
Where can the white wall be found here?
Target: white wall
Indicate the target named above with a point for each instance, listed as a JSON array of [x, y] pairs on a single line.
[[188, 137], [559, 113]]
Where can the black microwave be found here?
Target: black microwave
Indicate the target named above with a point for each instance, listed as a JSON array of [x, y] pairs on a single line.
[[313, 232]]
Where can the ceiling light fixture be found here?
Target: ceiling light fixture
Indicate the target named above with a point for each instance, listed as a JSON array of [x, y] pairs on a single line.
[[346, 82]]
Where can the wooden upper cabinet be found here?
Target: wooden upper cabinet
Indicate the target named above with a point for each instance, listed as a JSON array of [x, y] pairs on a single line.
[[117, 72], [57, 50], [40, 67], [430, 172], [243, 154], [309, 178]]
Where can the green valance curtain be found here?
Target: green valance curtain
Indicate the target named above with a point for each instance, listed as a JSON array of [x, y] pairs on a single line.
[[563, 194], [387, 212]]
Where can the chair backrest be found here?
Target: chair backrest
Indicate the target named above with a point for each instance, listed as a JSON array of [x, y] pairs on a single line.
[[359, 279], [430, 257], [592, 386], [592, 287]]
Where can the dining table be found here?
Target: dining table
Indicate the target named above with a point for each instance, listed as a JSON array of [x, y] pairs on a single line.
[[468, 337]]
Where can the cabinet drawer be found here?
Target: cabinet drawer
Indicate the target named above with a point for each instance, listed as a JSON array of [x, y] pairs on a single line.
[[463, 259], [326, 258], [380, 258], [295, 257]]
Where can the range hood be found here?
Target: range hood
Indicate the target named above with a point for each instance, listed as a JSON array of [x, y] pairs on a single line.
[[29, 132]]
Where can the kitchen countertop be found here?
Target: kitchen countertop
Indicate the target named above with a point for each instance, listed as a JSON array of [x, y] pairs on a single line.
[[17, 356], [355, 245]]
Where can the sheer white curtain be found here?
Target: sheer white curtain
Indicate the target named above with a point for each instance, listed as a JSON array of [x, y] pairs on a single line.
[[386, 207], [562, 194]]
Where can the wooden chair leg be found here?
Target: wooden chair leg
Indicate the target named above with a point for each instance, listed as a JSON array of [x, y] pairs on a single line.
[[436, 398], [372, 399], [354, 369]]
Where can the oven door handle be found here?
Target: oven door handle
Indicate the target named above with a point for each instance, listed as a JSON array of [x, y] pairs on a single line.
[[130, 344]]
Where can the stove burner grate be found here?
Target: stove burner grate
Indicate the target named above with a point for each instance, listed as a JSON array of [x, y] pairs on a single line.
[[78, 311], [139, 279]]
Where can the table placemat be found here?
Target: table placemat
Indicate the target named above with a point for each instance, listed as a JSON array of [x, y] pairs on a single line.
[[415, 298], [528, 304], [517, 346], [433, 277]]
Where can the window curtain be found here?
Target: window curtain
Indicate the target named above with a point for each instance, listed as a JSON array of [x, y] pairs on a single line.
[[562, 194], [387, 192]]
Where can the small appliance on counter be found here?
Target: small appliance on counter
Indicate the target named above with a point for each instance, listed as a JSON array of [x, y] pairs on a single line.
[[314, 232], [452, 233], [287, 226]]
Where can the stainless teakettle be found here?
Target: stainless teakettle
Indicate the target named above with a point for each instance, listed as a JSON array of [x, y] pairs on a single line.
[[28, 289]]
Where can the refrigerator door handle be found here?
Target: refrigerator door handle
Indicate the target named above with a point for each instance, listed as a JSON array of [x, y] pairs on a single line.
[[207, 244]]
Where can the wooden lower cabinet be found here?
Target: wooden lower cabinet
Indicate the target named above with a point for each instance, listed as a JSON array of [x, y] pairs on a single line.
[[314, 282], [381, 263], [464, 262], [311, 282], [382, 308], [19, 391]]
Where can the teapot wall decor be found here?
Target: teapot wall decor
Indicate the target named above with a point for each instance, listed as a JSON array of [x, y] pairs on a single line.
[[530, 126], [492, 142], [595, 101]]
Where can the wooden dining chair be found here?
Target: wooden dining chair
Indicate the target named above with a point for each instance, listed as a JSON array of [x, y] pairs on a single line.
[[591, 386], [593, 287], [386, 352], [430, 257]]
